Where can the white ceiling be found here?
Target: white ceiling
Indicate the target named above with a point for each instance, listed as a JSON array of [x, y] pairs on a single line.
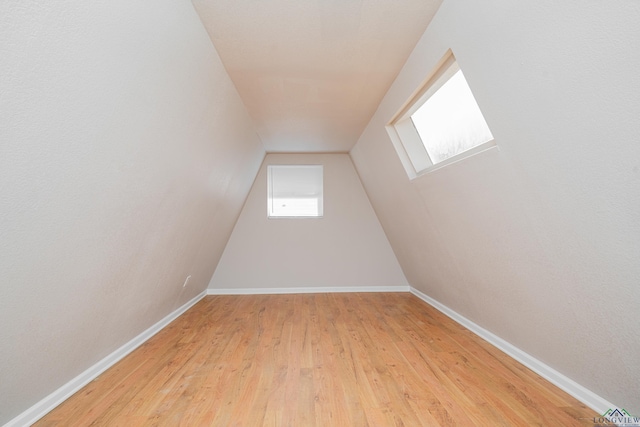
[[312, 72]]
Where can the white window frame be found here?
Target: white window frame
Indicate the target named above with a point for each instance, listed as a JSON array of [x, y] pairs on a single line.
[[403, 134], [271, 211]]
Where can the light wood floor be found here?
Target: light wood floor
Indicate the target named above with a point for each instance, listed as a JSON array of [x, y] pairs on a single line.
[[317, 360]]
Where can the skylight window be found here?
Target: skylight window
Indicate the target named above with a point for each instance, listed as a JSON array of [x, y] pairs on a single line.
[[441, 124], [450, 121], [294, 191]]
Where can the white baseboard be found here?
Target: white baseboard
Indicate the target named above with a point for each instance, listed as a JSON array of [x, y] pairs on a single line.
[[318, 290], [586, 396], [47, 404]]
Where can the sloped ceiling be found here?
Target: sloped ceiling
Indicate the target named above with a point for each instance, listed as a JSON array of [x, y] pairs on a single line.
[[312, 72]]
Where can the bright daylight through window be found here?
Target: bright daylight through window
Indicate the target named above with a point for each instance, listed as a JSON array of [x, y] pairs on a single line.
[[450, 121], [442, 123], [294, 191]]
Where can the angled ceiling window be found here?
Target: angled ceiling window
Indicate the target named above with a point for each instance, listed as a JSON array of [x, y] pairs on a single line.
[[441, 123], [294, 191]]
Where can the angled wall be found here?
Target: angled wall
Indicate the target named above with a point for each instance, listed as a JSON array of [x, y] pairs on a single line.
[[125, 157], [345, 249], [537, 241]]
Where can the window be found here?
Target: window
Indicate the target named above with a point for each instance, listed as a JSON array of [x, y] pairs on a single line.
[[294, 191], [441, 123]]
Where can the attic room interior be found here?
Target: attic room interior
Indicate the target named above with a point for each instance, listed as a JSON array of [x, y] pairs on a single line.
[[228, 213]]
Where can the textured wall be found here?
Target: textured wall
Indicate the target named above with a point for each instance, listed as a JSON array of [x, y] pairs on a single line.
[[539, 240], [125, 157], [345, 248]]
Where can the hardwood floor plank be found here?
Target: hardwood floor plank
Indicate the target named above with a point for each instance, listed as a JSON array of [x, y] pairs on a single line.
[[383, 359]]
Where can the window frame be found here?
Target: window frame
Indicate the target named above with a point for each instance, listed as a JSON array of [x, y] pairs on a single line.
[[270, 211], [403, 134]]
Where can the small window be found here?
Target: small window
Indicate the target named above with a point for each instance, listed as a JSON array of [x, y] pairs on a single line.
[[441, 123], [294, 191]]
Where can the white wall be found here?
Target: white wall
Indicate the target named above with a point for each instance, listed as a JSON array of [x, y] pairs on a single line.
[[125, 157], [345, 248], [537, 241]]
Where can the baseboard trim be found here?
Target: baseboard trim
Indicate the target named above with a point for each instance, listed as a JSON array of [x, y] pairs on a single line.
[[318, 290], [47, 404], [586, 396]]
